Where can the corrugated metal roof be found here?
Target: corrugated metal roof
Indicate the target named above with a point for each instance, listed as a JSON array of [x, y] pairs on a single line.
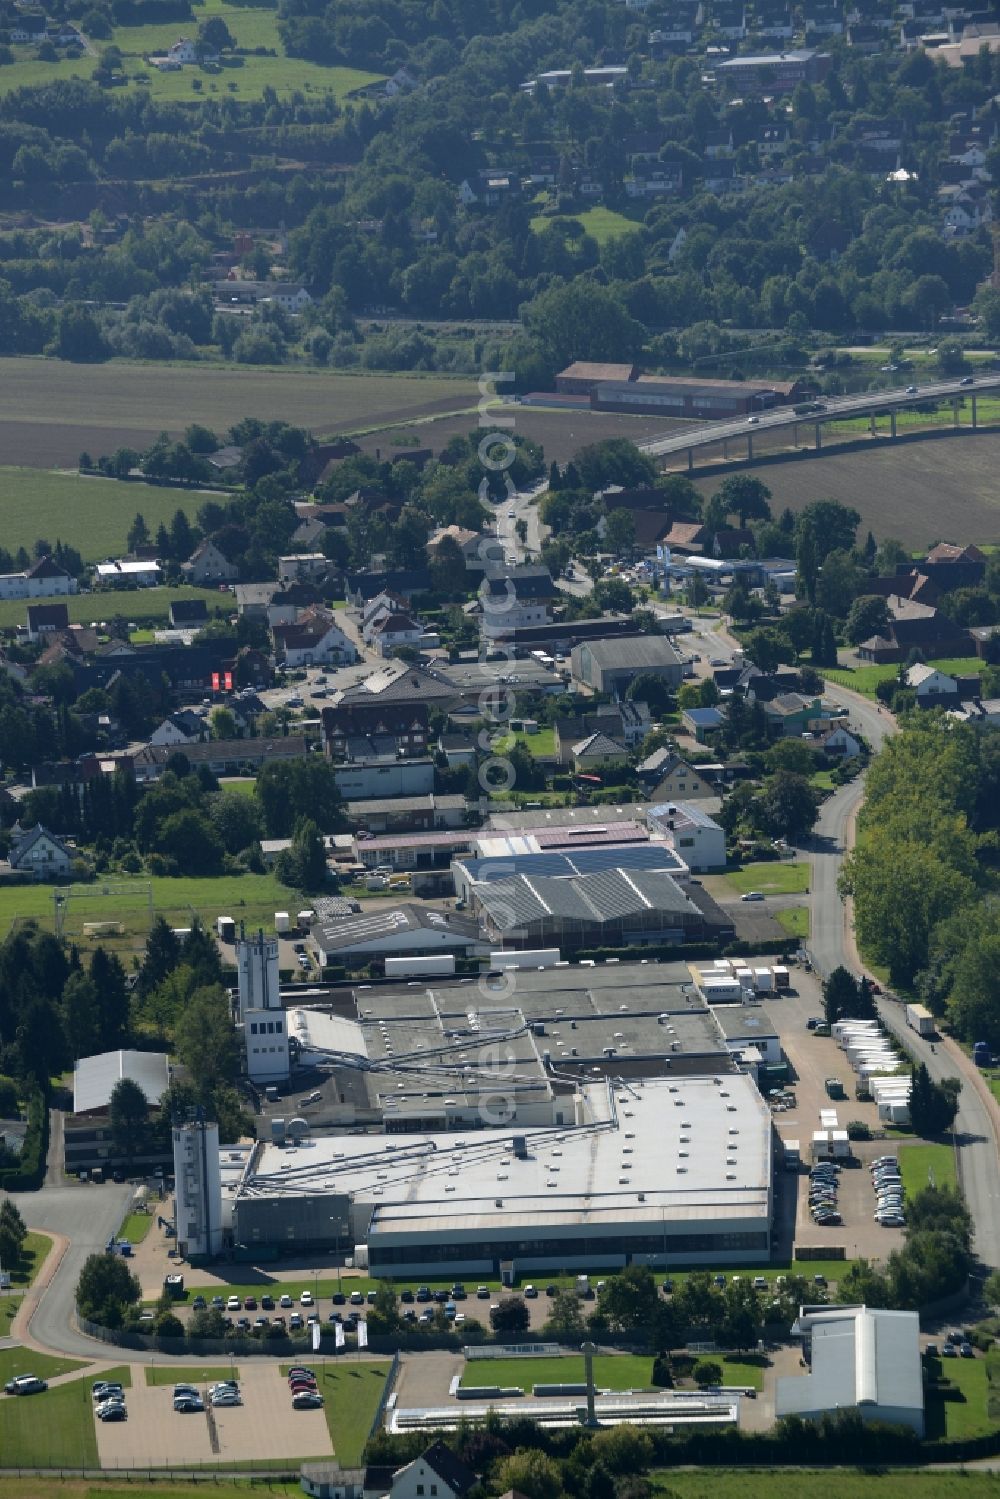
[[94, 1077]]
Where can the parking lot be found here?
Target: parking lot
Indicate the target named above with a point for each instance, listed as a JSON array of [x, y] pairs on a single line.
[[264, 1427], [812, 1060]]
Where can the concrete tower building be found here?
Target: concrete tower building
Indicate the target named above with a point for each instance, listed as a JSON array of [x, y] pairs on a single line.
[[197, 1188], [265, 1031]]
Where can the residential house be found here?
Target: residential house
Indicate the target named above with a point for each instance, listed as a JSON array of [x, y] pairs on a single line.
[[982, 713], [468, 542], [791, 713], [304, 567], [672, 779], [309, 531], [719, 144], [365, 782], [933, 688], [513, 598], [437, 1473], [188, 614], [207, 565], [627, 723], [181, 728], [773, 142], [660, 180], [395, 628], [29, 29], [44, 579], [489, 188], [221, 756], [691, 833], [458, 746], [315, 638], [700, 722], [290, 296], [128, 572], [40, 854], [406, 583], [608, 666], [933, 636], [986, 640], [406, 723], [687, 537], [401, 82], [837, 739], [596, 751], [730, 542], [45, 620]]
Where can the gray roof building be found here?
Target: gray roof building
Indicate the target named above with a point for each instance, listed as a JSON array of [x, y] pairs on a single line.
[[610, 665]]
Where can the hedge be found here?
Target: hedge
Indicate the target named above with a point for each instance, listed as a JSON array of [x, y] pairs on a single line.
[[29, 1173]]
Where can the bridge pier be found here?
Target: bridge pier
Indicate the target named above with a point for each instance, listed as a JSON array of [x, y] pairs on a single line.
[[795, 434], [954, 411], [974, 415], [725, 449], [690, 460], [871, 423], [749, 447], [892, 423], [819, 437]]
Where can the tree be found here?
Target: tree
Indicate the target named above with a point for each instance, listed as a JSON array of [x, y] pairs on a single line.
[[707, 1371], [580, 319], [824, 641], [223, 721], [303, 866], [13, 1232], [766, 648], [787, 806], [834, 526], [647, 687], [840, 995], [839, 580], [205, 1039], [744, 496], [510, 1315], [214, 36], [129, 1114], [629, 1301], [806, 559], [531, 1473], [565, 1319], [138, 533], [383, 1316], [867, 616], [236, 819], [8, 1097], [933, 1106], [78, 337], [619, 531], [190, 840], [81, 1016], [105, 1289]]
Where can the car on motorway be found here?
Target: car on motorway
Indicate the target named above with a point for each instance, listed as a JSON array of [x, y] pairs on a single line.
[[969, 380], [307, 1400], [753, 895], [753, 421], [911, 390], [25, 1384]]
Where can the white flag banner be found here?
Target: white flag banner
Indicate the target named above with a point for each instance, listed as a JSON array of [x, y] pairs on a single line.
[[317, 1333], [362, 1334], [338, 1334]]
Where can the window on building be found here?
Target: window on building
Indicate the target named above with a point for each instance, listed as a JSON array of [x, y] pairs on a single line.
[[253, 1027]]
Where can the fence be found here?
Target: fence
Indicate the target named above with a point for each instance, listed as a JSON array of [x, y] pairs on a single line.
[[383, 1400], [510, 1350]]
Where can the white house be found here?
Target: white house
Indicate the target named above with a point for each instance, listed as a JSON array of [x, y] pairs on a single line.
[[183, 50], [290, 296], [859, 1359], [691, 833], [45, 580], [207, 564], [122, 573], [314, 639], [930, 684], [838, 740], [436, 1474], [39, 853], [514, 598], [180, 728], [304, 567], [395, 629]]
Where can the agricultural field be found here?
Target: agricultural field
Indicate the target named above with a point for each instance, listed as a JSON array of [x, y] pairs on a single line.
[[132, 604], [907, 490], [250, 897], [91, 514], [53, 411], [244, 77]]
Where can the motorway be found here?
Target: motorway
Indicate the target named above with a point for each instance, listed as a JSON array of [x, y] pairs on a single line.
[[834, 407]]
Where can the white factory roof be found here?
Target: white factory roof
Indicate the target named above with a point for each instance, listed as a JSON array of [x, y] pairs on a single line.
[[690, 1148], [94, 1077], [333, 1035], [860, 1358]]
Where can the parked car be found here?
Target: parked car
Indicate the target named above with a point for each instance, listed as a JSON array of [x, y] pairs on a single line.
[[307, 1400], [306, 1299], [112, 1413], [753, 895], [267, 1303], [25, 1384], [187, 1404], [285, 1300], [234, 1304]]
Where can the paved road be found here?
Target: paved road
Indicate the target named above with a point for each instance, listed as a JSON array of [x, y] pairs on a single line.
[[833, 407]]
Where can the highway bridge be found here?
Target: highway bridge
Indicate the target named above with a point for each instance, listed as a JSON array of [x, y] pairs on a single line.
[[740, 435]]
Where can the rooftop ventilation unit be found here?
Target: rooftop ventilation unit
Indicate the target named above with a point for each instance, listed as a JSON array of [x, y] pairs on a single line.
[[519, 1145]]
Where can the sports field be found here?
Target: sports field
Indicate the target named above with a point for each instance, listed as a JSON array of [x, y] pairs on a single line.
[[132, 604], [52, 411]]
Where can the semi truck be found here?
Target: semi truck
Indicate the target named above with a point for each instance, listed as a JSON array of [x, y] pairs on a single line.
[[920, 1019], [793, 1155]]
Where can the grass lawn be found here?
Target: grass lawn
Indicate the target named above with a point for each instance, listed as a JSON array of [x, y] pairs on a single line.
[[33, 1252], [794, 920], [771, 879], [254, 897], [27, 1361], [137, 604], [987, 410], [244, 785], [135, 1227], [244, 77], [600, 223], [965, 1413], [624, 1371], [865, 679], [822, 780], [542, 743], [196, 1374], [917, 1162], [50, 1487], [799, 1483], [92, 515], [56, 1429], [8, 1311], [352, 1392]]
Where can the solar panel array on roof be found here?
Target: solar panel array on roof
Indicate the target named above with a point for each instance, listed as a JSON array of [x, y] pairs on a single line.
[[584, 861]]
